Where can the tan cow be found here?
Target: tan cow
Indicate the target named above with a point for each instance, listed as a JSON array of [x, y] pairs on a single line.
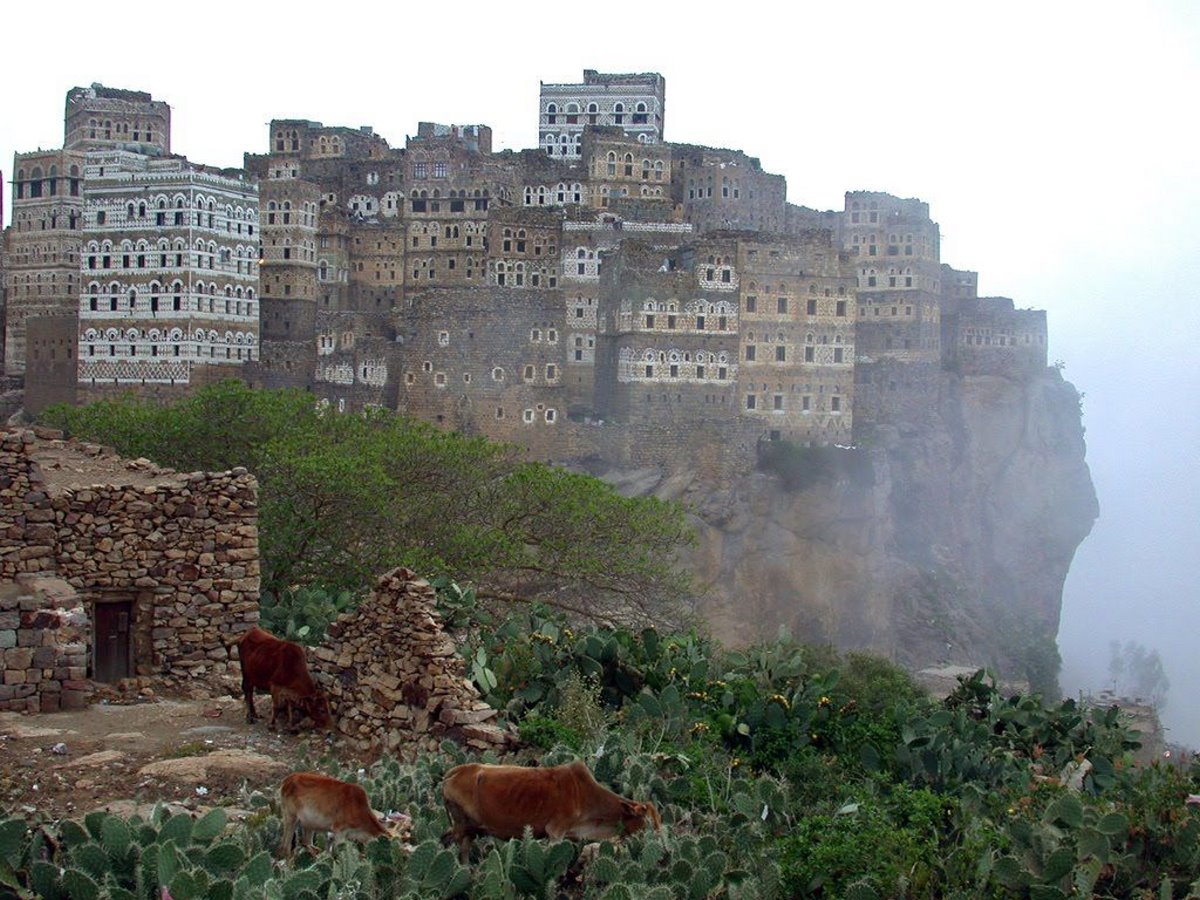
[[318, 802], [556, 802]]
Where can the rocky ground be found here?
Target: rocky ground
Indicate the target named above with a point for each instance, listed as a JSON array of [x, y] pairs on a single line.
[[124, 752]]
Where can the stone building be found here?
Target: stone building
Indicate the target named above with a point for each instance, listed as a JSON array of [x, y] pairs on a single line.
[[488, 361], [42, 245], [387, 224], [669, 339], [523, 248], [169, 270], [102, 118], [723, 190], [619, 167], [154, 572], [416, 278], [634, 103], [43, 242], [991, 337], [798, 334]]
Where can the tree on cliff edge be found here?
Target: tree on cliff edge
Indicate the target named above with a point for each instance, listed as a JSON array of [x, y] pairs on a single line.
[[344, 497]]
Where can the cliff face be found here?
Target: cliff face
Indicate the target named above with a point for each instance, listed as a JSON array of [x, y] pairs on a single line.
[[952, 545]]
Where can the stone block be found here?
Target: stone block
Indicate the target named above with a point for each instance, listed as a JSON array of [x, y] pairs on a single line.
[[44, 657], [18, 658], [8, 638]]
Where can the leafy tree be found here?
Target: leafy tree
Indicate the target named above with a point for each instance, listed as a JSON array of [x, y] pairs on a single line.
[[1138, 672], [346, 496]]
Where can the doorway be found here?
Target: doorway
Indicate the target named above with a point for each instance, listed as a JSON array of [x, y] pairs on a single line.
[[112, 658]]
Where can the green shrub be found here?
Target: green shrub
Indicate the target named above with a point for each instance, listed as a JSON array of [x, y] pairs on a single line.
[[304, 613]]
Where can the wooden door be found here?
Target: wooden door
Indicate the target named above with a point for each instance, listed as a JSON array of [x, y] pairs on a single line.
[[112, 630]]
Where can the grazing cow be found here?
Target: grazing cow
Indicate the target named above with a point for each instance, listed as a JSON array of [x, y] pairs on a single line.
[[556, 802], [317, 802], [281, 668]]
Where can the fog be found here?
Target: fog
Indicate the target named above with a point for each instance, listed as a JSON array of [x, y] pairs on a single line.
[[1055, 143]]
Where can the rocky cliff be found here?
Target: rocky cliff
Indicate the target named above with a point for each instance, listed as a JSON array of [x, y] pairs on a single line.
[[943, 538]]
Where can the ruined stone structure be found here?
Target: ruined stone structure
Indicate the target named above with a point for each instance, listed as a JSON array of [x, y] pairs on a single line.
[[164, 566], [394, 677]]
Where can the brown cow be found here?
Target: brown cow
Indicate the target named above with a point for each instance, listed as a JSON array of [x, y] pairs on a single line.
[[556, 802], [281, 668], [318, 802]]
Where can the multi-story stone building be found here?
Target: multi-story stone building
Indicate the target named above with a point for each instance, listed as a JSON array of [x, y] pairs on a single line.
[[798, 316], [43, 242], [620, 169], [727, 190], [634, 103], [169, 273], [101, 118], [42, 245], [895, 247], [668, 290]]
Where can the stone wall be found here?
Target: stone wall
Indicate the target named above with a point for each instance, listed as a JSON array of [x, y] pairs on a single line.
[[394, 677], [43, 646], [179, 552], [988, 336]]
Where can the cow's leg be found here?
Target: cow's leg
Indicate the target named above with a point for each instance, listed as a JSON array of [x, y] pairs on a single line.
[[248, 693], [459, 831], [287, 832], [293, 723], [276, 697]]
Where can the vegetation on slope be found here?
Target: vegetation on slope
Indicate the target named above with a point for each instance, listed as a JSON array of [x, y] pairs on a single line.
[[344, 497], [780, 771]]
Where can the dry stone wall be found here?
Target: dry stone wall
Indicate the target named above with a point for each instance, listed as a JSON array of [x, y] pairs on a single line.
[[395, 679], [178, 551], [43, 646]]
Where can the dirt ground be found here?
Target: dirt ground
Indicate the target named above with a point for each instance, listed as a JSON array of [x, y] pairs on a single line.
[[195, 753]]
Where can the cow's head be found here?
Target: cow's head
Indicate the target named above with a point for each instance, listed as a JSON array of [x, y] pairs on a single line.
[[634, 816], [316, 708]]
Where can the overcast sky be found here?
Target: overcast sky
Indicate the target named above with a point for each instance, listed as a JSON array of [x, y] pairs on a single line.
[[1056, 143]]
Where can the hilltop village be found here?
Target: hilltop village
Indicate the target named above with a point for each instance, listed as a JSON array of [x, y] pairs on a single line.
[[607, 294]]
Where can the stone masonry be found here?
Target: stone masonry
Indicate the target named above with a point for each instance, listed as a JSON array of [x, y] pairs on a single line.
[[176, 553], [43, 646], [395, 678]]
